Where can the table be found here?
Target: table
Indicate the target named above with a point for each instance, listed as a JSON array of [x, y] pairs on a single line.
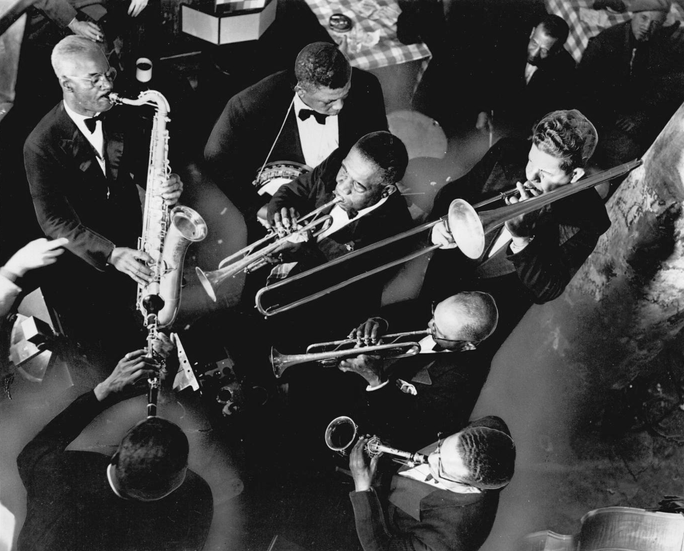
[[372, 43], [586, 23]]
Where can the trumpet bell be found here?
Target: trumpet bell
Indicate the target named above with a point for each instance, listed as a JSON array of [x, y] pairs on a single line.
[[466, 228], [209, 281], [341, 434]]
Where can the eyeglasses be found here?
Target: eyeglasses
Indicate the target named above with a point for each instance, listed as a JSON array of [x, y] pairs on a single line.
[[97, 80], [435, 329], [440, 469]]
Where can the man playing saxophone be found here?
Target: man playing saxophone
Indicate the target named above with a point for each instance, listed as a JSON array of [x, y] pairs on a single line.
[[82, 182], [410, 401]]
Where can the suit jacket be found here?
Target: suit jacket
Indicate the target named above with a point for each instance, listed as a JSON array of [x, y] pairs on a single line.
[[447, 386], [247, 128], [517, 102], [421, 517], [72, 196], [70, 504]]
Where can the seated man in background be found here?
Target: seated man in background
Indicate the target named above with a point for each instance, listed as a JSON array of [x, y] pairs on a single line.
[[631, 81], [516, 95], [447, 504], [143, 497], [413, 400], [299, 117], [532, 257]]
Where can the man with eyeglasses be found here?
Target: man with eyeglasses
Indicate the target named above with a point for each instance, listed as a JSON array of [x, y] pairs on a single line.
[[411, 400], [517, 94], [447, 504], [299, 116], [83, 184], [631, 80]]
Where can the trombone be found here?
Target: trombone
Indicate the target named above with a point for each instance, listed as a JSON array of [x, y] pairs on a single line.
[[341, 435], [467, 227], [248, 260], [331, 353]]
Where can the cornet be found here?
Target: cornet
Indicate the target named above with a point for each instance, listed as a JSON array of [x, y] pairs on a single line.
[[248, 260], [333, 352], [342, 434]]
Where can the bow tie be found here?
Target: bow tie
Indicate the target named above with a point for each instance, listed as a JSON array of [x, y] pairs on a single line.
[[92, 122], [306, 113]]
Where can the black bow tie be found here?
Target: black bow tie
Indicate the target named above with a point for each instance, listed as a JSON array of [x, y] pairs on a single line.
[[306, 113], [92, 122]]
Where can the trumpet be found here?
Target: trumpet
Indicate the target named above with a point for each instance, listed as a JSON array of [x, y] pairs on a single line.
[[466, 225], [248, 259], [341, 434], [331, 353]]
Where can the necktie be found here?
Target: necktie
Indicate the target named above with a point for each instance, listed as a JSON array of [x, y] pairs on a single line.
[[92, 122], [306, 113]]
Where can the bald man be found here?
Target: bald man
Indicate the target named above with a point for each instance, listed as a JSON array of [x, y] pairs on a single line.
[[412, 400]]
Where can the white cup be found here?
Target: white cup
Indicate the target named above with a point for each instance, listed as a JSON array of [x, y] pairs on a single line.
[[143, 69]]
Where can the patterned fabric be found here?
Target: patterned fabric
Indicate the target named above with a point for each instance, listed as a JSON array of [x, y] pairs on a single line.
[[585, 22], [373, 41]]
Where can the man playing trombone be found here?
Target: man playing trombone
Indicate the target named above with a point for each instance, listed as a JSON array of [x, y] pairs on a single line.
[[413, 400], [534, 257]]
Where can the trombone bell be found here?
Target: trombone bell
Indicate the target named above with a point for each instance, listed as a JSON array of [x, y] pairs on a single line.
[[466, 228]]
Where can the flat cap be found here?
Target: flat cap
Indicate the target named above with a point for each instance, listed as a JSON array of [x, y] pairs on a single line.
[[648, 5]]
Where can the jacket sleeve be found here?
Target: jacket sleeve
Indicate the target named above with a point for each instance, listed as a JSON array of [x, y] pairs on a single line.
[[56, 436], [550, 261], [371, 528], [59, 11], [55, 215]]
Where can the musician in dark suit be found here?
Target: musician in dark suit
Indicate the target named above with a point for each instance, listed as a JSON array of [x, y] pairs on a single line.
[[448, 504], [519, 91], [411, 401], [143, 497], [533, 257], [300, 116], [81, 178]]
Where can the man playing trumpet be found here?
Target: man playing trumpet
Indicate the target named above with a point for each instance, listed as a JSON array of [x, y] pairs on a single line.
[[413, 400], [534, 257], [448, 504]]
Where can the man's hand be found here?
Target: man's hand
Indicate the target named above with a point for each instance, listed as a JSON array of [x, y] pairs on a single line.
[[163, 346], [522, 227], [133, 367], [285, 220], [440, 235], [362, 471], [171, 189], [132, 263], [368, 366], [86, 29], [368, 332], [136, 7], [35, 254], [484, 122]]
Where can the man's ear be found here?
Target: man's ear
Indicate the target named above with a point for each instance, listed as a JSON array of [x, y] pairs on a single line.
[[468, 345], [388, 190], [66, 84], [577, 173]]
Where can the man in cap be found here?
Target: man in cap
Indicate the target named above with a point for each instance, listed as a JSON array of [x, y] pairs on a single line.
[[411, 401], [631, 79], [298, 116], [447, 504]]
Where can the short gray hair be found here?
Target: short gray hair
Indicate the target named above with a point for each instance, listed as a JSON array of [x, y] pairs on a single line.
[[72, 46]]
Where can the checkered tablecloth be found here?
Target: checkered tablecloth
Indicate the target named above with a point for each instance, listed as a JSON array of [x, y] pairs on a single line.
[[586, 23], [372, 42]]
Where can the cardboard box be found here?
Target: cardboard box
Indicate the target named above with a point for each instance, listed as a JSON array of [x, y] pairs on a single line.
[[219, 27]]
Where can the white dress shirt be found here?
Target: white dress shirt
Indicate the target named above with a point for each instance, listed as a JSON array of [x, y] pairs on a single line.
[[318, 140], [96, 138]]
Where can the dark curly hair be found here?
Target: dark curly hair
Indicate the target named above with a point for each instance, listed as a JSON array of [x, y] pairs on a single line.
[[322, 65], [568, 135]]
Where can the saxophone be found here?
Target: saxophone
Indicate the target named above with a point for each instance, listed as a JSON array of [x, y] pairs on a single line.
[[166, 233]]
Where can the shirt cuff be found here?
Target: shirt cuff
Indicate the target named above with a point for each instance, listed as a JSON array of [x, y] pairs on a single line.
[[372, 388]]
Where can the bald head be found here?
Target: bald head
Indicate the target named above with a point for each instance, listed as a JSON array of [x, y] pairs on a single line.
[[465, 318]]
